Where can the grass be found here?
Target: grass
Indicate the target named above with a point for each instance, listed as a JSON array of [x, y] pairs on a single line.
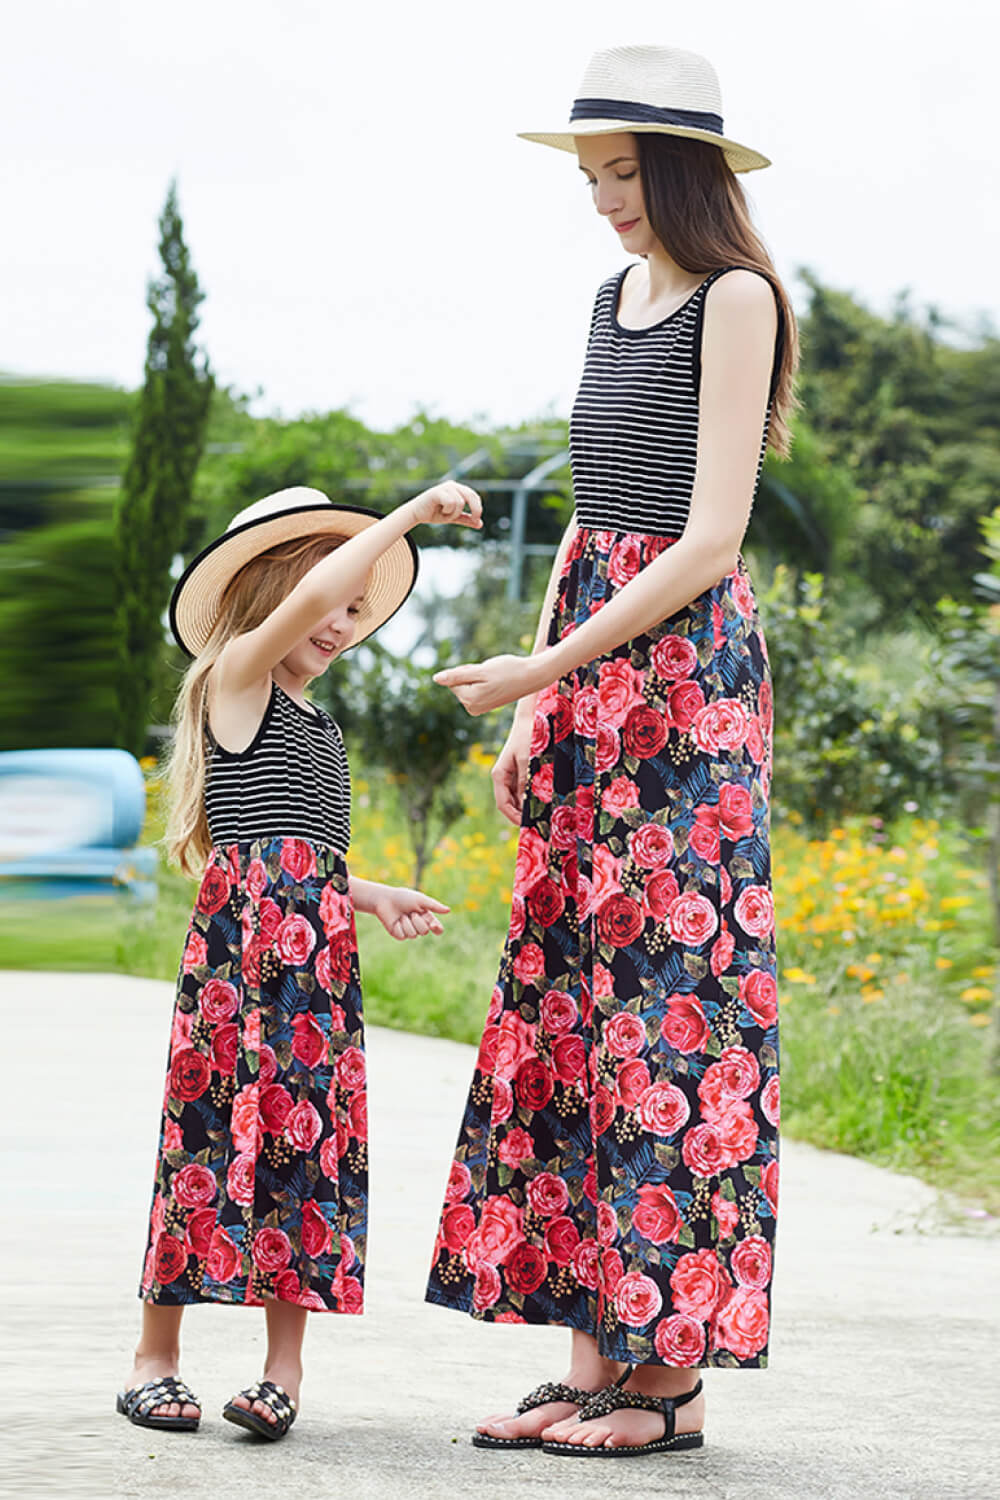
[[885, 979]]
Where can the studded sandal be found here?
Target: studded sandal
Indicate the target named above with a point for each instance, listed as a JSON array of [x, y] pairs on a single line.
[[550, 1390], [614, 1399], [139, 1403], [275, 1398]]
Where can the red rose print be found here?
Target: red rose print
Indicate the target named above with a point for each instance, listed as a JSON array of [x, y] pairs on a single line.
[[741, 1325], [529, 963], [532, 860], [604, 982], [170, 1259], [268, 1062], [718, 630], [526, 1269], [632, 1081], [351, 1295], [225, 1045], [459, 1182], [195, 952], [684, 1026], [673, 657], [545, 902], [704, 835], [200, 1228], [620, 921], [697, 1282], [487, 1289], [613, 1269], [620, 688], [586, 1264], [457, 1223], [759, 994], [735, 811], [351, 1069], [644, 733], [769, 1183], [515, 1147], [562, 719], [655, 1216], [620, 796], [727, 1215], [722, 951], [309, 1043], [533, 1084], [720, 725], [295, 940], [770, 1100], [737, 1130], [625, 559], [173, 1136], [703, 1151], [503, 1102], [585, 813], [270, 918], [539, 733], [637, 1299], [624, 1034], [607, 1224], [661, 891], [559, 1012], [602, 1109], [740, 1071], [334, 910], [713, 1094], [754, 910], [194, 1186], [607, 749], [213, 892], [569, 1058], [357, 1113], [275, 1107], [541, 782], [190, 1075], [223, 1258], [547, 1195], [765, 706], [607, 874], [272, 1250], [563, 827], [755, 740], [317, 1234], [684, 702], [286, 1287], [692, 919], [303, 1126], [561, 1239], [329, 1163], [321, 969], [679, 1340], [651, 846], [297, 859], [498, 1231], [515, 1042], [257, 879], [742, 595], [340, 951], [751, 1262], [585, 711], [244, 1120], [662, 1109]]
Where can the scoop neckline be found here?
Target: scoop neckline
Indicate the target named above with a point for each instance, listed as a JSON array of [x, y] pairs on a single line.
[[314, 714], [648, 327]]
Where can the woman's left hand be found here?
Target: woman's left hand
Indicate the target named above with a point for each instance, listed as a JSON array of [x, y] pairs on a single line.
[[483, 686]]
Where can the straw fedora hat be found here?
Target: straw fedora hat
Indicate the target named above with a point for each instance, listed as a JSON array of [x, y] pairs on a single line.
[[283, 517], [652, 91]]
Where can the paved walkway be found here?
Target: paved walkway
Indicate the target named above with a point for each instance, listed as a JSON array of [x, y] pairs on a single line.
[[885, 1357]]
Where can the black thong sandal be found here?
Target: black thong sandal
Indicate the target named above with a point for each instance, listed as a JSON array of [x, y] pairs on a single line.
[[138, 1404], [275, 1398], [551, 1390], [613, 1399]]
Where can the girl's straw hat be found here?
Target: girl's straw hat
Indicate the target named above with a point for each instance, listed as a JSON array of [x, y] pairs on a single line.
[[283, 517], [650, 90]]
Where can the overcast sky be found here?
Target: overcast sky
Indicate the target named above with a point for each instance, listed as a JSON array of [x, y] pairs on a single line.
[[369, 231]]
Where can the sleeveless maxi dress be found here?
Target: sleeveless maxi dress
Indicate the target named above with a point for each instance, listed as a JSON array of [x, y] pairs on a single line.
[[617, 1165], [261, 1181]]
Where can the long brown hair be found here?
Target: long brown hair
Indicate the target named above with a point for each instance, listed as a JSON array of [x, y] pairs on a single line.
[[698, 211], [247, 600]]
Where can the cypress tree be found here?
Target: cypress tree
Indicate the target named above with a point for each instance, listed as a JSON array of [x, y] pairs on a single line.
[[155, 497]]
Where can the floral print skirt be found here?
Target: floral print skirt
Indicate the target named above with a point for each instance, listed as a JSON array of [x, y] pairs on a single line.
[[617, 1165], [261, 1183]]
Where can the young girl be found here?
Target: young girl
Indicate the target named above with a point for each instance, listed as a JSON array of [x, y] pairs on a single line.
[[261, 1179], [617, 1166]]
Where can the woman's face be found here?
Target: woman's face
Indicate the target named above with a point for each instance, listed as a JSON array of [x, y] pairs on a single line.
[[610, 163]]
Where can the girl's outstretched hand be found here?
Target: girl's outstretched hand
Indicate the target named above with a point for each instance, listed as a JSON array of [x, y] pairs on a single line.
[[407, 914], [482, 686], [449, 503]]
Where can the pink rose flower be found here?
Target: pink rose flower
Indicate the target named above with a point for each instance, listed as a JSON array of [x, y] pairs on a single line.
[[720, 725], [770, 1100], [679, 1340], [498, 1231], [559, 1012], [655, 1216], [529, 964], [561, 1239], [542, 782], [651, 846], [692, 919], [218, 1001], [586, 1262], [684, 1026], [742, 1323], [662, 1109], [303, 1126], [624, 1034], [751, 1262], [194, 1186], [515, 1147], [759, 993], [673, 657], [486, 1291], [295, 940], [547, 1195], [754, 910], [684, 701], [532, 860], [637, 1299], [317, 1233], [697, 1283], [619, 796], [351, 1069], [727, 1215], [309, 1042], [619, 688]]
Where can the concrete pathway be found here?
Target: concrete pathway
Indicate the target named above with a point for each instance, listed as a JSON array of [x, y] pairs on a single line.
[[885, 1357]]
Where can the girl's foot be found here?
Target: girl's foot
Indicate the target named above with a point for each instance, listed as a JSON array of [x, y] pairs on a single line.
[[155, 1367], [288, 1376], [634, 1428], [592, 1373]]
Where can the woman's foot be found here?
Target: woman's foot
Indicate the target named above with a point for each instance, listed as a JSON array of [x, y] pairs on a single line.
[[285, 1374], [157, 1366], [627, 1428], [588, 1371]]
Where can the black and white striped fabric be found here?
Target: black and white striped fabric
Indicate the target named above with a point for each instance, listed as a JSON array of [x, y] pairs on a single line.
[[292, 780], [634, 425]]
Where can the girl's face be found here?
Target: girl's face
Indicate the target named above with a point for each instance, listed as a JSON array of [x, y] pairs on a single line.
[[610, 163], [333, 634]]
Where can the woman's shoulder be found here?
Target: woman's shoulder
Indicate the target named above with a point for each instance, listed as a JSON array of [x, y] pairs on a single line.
[[740, 289]]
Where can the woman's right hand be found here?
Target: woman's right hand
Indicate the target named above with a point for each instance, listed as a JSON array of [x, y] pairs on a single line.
[[447, 504], [510, 772]]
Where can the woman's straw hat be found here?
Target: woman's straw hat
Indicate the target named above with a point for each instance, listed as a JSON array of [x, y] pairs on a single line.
[[283, 517], [652, 91]]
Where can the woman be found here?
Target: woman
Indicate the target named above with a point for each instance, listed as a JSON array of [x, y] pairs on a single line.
[[616, 1170]]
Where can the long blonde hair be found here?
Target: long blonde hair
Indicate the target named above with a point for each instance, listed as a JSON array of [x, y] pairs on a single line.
[[698, 211], [247, 600]]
